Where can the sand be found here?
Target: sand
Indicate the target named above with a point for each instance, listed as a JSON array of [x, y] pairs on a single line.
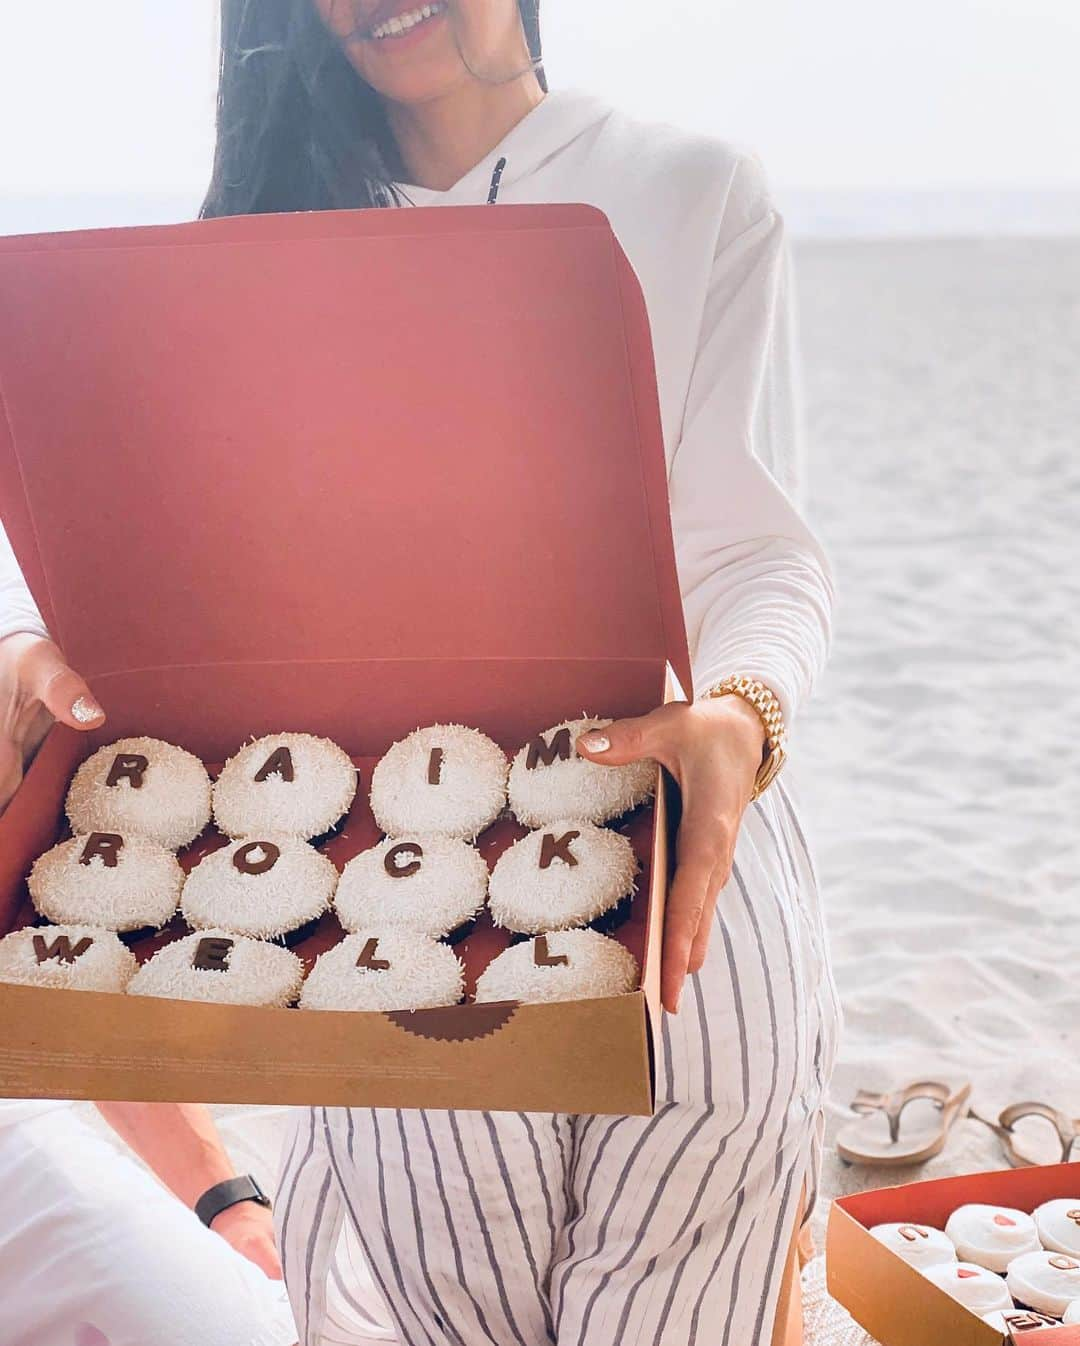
[[943, 403], [938, 765]]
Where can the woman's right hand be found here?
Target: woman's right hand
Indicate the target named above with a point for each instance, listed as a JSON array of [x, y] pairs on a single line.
[[36, 688]]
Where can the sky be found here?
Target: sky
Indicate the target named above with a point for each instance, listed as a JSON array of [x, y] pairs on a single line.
[[117, 96]]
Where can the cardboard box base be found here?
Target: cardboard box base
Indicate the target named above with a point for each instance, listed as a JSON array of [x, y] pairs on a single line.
[[592, 1056]]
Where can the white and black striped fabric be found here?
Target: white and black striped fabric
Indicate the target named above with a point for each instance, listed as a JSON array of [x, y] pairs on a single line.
[[525, 1229]]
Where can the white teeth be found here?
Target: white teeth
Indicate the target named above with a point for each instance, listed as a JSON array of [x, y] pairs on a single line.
[[402, 23]]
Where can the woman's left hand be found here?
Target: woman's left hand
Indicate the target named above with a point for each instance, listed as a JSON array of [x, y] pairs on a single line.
[[713, 749], [250, 1230]]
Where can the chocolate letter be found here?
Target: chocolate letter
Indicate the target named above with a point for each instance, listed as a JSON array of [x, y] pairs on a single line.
[[541, 753], [1063, 1263], [434, 766], [367, 957], [557, 848], [280, 761], [256, 857], [543, 958], [390, 860], [60, 948], [1073, 1215], [105, 844], [911, 1232], [212, 954], [129, 766]]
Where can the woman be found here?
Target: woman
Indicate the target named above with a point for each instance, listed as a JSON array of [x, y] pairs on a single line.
[[508, 1228]]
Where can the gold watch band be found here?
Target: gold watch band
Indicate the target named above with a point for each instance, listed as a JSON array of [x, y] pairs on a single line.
[[767, 704]]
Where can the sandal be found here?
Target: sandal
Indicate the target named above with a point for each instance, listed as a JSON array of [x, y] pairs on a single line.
[[1067, 1128], [862, 1141]]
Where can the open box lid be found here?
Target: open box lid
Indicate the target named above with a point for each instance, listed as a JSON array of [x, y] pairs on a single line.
[[406, 435]]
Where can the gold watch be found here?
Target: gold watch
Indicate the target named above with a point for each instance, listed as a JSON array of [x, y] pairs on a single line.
[[767, 704]]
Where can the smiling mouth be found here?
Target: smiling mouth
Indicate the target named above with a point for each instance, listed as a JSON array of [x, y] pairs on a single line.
[[401, 24]]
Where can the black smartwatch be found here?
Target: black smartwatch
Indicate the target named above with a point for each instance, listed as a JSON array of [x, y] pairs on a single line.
[[229, 1193]]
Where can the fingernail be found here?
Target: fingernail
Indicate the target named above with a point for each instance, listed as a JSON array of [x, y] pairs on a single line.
[[596, 742], [84, 710]]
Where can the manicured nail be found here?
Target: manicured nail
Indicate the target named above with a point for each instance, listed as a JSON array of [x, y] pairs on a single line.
[[596, 743], [85, 711]]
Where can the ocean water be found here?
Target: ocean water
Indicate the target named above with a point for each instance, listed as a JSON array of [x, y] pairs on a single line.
[[810, 213]]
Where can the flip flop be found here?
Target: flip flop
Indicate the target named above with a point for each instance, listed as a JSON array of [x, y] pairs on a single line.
[[1067, 1128], [863, 1142]]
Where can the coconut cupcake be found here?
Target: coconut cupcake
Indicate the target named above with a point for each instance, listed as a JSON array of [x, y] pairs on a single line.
[[431, 885], [566, 875], [548, 780], [564, 965], [107, 880], [384, 969], [268, 887], [66, 957], [446, 779], [142, 787], [295, 784], [228, 969]]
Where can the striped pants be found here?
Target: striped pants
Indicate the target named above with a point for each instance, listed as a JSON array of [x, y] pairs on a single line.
[[532, 1229]]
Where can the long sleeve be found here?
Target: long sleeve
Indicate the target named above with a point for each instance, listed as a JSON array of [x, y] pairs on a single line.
[[18, 611], [756, 584]]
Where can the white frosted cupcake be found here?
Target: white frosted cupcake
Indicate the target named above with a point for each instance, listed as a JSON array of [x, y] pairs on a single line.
[[141, 786], [446, 779], [428, 884], [1018, 1320], [1058, 1223], [295, 784], [562, 876], [384, 969], [66, 957], [268, 887], [107, 880], [991, 1236], [976, 1288], [564, 965], [548, 780], [917, 1244], [1045, 1281], [1072, 1313], [228, 969]]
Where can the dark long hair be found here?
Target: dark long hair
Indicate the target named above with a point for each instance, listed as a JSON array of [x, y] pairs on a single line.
[[297, 128]]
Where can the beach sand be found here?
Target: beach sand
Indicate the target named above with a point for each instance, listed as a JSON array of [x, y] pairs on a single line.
[[943, 404], [938, 765]]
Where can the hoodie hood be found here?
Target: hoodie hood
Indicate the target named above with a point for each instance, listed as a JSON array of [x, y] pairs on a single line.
[[549, 129]]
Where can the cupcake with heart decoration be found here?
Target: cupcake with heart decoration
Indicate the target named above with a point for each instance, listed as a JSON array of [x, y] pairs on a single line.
[[973, 1286], [991, 1236]]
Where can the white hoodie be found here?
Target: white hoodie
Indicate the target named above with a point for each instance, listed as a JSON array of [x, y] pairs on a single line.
[[695, 218]]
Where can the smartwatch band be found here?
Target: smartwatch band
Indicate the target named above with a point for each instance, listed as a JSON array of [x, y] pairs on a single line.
[[229, 1193]]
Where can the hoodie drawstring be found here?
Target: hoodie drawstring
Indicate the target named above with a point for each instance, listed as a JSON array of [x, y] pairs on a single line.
[[496, 179]]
